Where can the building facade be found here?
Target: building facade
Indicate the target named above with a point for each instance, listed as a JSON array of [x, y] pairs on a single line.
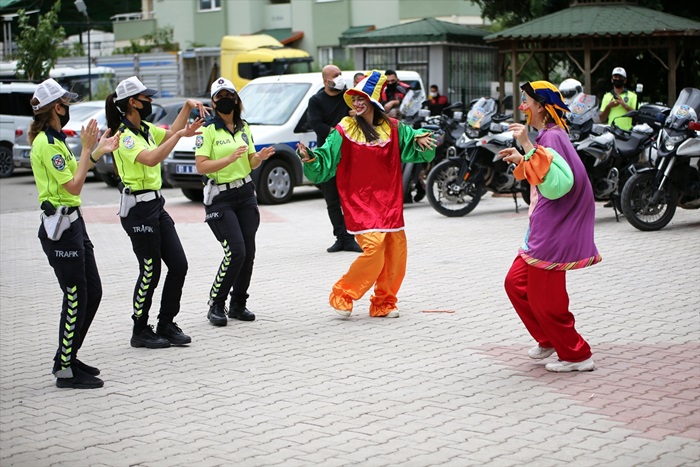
[[312, 25]]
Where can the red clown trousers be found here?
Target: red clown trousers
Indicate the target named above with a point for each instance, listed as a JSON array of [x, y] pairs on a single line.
[[539, 297]]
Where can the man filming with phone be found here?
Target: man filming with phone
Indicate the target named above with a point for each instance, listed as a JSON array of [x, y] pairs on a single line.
[[618, 102]]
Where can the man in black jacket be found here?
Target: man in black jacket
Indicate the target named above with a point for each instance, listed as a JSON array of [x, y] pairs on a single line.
[[326, 108]]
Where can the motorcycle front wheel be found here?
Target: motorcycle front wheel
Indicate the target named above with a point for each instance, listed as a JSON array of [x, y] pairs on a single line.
[[448, 195], [640, 207]]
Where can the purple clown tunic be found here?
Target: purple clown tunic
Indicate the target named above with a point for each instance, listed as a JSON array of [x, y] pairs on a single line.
[[560, 234]]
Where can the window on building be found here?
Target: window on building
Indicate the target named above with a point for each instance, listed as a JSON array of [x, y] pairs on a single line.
[[399, 58], [470, 71], [209, 5], [328, 55]]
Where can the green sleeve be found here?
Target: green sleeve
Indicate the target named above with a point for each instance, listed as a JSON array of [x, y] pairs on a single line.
[[327, 159], [605, 101], [559, 179], [410, 150]]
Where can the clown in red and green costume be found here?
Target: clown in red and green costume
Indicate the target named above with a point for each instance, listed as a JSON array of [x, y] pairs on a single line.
[[365, 153]]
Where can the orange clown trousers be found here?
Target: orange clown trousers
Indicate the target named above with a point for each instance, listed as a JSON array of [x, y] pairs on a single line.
[[382, 264]]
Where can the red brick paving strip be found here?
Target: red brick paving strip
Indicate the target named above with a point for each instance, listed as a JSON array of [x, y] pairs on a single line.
[[653, 389]]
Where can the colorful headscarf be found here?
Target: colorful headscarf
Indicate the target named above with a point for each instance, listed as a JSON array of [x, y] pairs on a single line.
[[370, 87], [548, 96]]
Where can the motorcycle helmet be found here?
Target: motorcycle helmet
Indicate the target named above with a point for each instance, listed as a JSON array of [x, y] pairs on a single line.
[[569, 88]]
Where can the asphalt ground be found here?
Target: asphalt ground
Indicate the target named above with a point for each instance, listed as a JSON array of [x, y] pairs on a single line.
[[448, 383]]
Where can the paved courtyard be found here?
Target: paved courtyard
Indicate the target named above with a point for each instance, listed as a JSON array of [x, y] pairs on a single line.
[[448, 383]]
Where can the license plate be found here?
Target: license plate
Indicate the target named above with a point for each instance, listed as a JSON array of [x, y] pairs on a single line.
[[185, 169], [25, 153]]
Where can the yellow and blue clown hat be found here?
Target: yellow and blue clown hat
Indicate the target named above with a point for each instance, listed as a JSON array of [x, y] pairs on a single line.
[[370, 87], [550, 98]]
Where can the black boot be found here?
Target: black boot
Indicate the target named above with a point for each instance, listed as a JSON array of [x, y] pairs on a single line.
[[79, 380], [143, 336], [173, 333], [217, 314], [241, 313]]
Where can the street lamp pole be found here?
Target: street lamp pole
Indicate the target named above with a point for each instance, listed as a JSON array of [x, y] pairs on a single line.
[[82, 8]]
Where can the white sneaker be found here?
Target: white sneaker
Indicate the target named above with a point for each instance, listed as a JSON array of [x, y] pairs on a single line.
[[343, 313], [562, 366], [392, 314], [538, 353]]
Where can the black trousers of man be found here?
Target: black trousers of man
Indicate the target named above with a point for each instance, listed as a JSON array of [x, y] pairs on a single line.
[[73, 261], [335, 212]]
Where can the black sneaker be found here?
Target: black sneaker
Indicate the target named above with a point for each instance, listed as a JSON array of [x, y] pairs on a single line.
[[336, 247], [145, 337], [352, 245], [217, 315], [173, 333], [84, 367], [241, 313], [80, 380]]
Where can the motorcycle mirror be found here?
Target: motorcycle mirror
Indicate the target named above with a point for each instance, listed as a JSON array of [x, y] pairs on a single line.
[[640, 88]]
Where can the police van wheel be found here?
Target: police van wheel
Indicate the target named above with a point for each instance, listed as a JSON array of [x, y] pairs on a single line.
[[275, 185], [7, 166], [193, 194]]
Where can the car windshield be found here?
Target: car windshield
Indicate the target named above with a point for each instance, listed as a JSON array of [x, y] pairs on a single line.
[[78, 113], [271, 103]]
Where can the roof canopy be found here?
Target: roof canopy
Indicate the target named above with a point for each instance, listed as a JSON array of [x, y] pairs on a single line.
[[601, 20], [595, 29], [428, 30]]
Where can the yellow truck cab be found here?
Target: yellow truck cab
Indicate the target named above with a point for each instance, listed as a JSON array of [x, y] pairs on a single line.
[[244, 58]]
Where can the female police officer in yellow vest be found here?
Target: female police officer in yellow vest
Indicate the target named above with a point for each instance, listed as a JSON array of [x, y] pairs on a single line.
[[59, 179], [226, 154], [151, 229]]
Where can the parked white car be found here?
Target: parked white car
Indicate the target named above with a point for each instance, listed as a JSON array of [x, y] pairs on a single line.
[[15, 116], [275, 109]]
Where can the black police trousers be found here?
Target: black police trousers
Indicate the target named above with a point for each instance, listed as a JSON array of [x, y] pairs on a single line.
[[155, 240], [234, 219], [73, 261], [335, 212]]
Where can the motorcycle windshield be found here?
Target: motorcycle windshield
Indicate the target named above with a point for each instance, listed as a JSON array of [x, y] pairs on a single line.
[[583, 108], [685, 109], [480, 114], [411, 103]]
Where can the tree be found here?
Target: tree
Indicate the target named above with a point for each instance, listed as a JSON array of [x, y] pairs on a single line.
[[38, 47]]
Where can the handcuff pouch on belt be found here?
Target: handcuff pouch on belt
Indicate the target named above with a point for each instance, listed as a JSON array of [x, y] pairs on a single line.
[[126, 202], [211, 189], [57, 223]]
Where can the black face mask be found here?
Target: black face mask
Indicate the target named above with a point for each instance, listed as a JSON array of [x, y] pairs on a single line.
[[225, 105], [618, 83], [391, 87], [65, 117], [146, 110]]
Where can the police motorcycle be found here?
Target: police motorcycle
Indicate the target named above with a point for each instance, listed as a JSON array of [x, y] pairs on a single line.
[[651, 195], [610, 154], [455, 186], [446, 129]]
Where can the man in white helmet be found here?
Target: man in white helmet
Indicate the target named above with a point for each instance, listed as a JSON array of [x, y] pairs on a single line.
[[618, 102]]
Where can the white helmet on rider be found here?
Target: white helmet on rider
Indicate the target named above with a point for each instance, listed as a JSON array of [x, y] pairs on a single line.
[[569, 88]]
